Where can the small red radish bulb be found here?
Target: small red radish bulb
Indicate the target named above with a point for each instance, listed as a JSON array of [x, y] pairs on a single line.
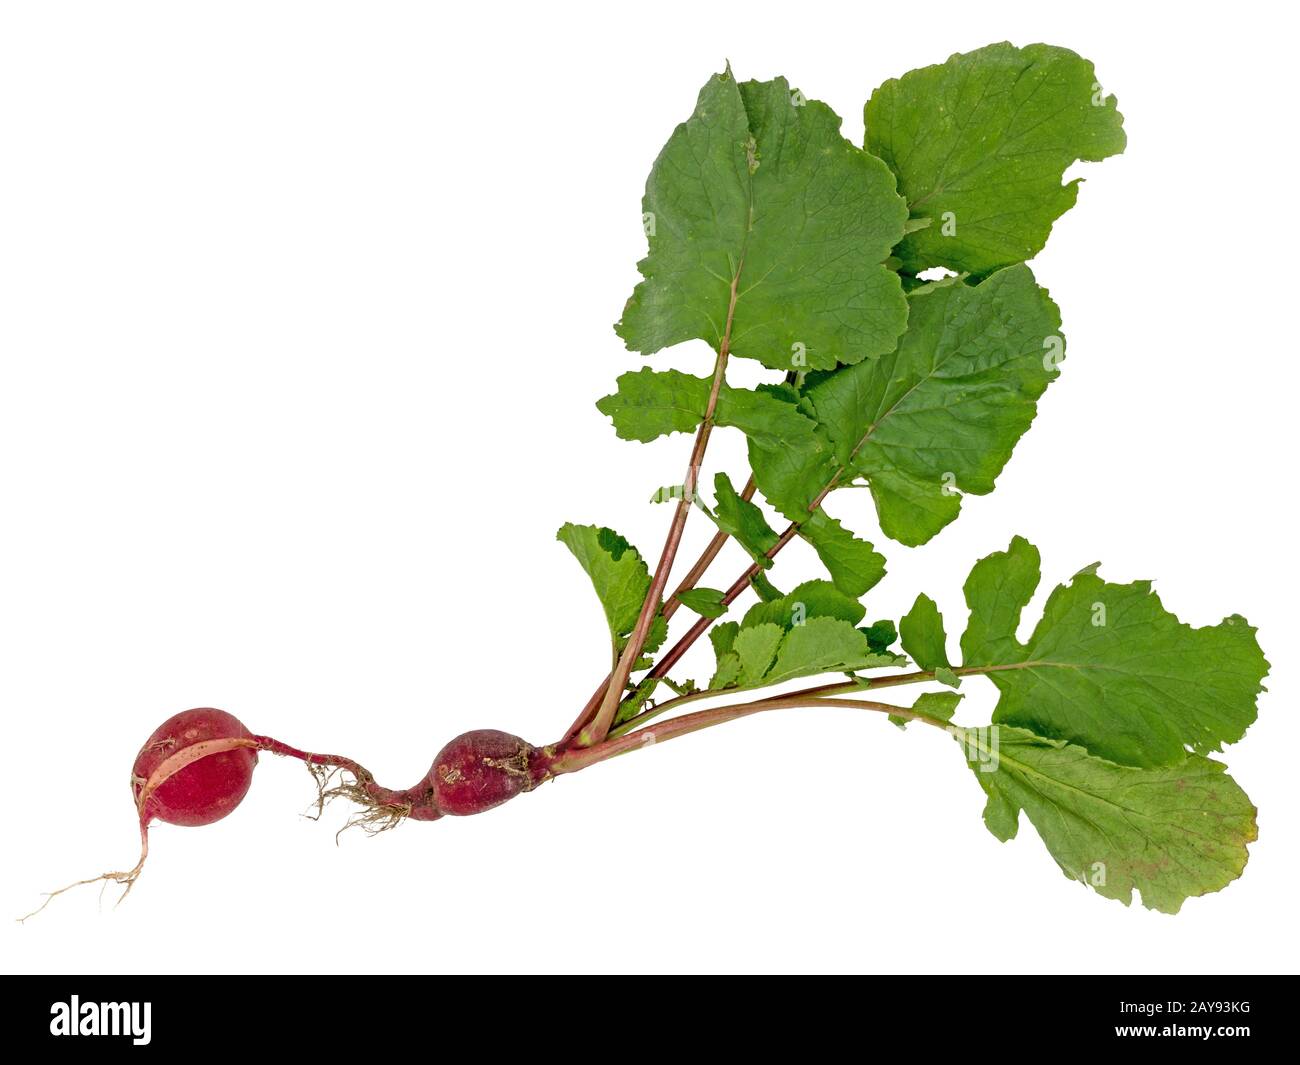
[[484, 768]]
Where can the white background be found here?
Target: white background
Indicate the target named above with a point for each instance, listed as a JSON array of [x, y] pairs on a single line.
[[303, 311]]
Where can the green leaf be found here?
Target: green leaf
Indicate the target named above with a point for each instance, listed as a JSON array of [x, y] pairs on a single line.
[[791, 475], [980, 144], [757, 197], [766, 591], [923, 635], [727, 673], [854, 565], [1171, 832], [632, 704], [1107, 667], [757, 646], [669, 493], [743, 521], [880, 635], [823, 645], [649, 404], [723, 637], [812, 599], [789, 454], [686, 687], [997, 590], [763, 653], [618, 573], [707, 602], [941, 414], [654, 638], [939, 706]]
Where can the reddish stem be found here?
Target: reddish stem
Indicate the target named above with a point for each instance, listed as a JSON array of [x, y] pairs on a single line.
[[702, 625], [417, 801], [730, 596], [576, 759], [670, 608], [835, 688], [598, 729], [705, 560]]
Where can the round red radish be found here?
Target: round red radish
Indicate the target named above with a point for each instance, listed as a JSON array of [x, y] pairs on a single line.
[[194, 769]]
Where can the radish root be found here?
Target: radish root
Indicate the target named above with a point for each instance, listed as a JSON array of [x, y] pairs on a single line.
[[376, 814], [127, 879]]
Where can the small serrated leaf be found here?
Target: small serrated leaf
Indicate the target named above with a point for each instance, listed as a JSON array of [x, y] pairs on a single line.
[[944, 675], [823, 645], [707, 602], [938, 706], [766, 591], [727, 673], [922, 634], [743, 521], [812, 599], [723, 637], [880, 635], [854, 565], [757, 646]]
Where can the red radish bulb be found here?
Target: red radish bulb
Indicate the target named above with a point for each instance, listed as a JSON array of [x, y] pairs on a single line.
[[196, 768], [483, 769]]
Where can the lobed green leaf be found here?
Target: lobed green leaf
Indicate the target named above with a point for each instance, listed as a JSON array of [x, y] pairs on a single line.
[[941, 414], [759, 212], [1171, 831], [922, 633], [1108, 667], [980, 144]]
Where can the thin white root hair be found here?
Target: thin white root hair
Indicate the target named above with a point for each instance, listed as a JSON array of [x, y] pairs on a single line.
[[127, 879]]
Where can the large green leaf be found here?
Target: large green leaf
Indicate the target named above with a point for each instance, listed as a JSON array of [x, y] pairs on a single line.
[[1108, 667], [980, 144], [941, 414], [1171, 832], [758, 195], [936, 417]]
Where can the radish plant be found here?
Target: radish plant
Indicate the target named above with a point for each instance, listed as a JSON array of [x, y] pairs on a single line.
[[773, 238]]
